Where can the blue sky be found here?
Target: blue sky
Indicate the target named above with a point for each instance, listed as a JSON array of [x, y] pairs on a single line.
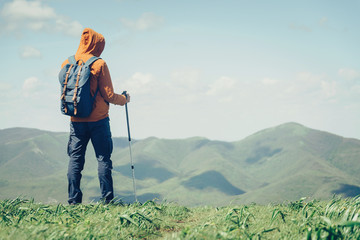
[[217, 69]]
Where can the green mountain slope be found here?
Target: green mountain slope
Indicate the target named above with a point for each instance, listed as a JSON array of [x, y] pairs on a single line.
[[282, 163]]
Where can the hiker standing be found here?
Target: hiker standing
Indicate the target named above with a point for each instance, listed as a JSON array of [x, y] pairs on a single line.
[[94, 127]]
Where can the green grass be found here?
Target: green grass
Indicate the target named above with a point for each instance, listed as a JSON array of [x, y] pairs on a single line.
[[334, 219]]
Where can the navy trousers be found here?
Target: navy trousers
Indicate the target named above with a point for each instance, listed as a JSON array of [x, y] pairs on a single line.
[[100, 136]]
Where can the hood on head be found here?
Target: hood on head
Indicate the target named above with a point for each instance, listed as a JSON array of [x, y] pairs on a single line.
[[91, 44]]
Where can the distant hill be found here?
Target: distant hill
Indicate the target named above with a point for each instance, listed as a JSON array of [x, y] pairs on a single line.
[[278, 164]]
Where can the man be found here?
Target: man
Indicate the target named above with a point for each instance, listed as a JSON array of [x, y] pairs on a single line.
[[96, 126]]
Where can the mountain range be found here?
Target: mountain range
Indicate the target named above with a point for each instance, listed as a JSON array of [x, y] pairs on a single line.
[[282, 163]]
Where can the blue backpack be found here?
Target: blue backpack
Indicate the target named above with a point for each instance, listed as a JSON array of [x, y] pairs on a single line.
[[74, 78]]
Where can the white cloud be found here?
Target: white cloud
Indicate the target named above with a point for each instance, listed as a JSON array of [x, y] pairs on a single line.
[[349, 74], [68, 26], [329, 88], [139, 83], [27, 10], [30, 86], [20, 15], [189, 79], [30, 52], [221, 86], [309, 78], [322, 87], [4, 86], [306, 82], [269, 81], [304, 87], [147, 21]]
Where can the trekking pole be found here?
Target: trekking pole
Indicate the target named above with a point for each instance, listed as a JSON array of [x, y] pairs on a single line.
[[129, 137]]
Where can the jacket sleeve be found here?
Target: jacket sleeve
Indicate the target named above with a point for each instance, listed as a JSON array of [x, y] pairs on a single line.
[[106, 88]]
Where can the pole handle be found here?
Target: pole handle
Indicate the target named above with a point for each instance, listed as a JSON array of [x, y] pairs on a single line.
[[127, 115], [124, 93]]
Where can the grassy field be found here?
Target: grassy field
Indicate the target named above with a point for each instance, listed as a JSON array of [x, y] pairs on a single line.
[[334, 219]]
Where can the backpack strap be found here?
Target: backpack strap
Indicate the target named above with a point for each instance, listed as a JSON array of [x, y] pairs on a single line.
[[76, 89], [62, 98], [72, 59], [91, 60]]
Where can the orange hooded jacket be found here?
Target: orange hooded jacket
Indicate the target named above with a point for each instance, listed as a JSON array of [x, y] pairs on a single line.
[[92, 44]]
